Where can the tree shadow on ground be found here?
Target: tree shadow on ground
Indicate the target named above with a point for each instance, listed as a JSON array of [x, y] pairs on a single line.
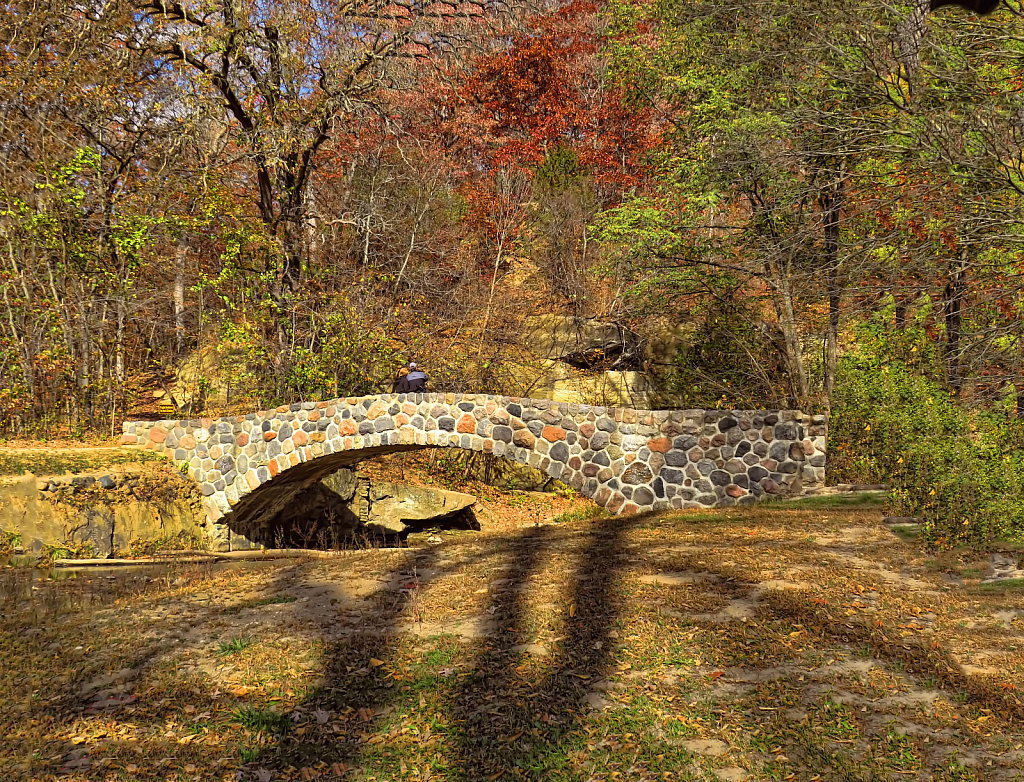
[[504, 705]]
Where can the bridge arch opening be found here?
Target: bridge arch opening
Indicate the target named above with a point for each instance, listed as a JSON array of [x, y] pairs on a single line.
[[333, 505]]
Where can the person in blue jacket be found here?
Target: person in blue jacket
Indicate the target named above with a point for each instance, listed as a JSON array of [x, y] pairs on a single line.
[[417, 379]]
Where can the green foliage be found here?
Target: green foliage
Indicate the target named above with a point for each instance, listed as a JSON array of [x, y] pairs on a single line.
[[561, 168], [727, 362], [264, 720], [9, 541], [347, 359], [54, 553], [893, 422], [234, 646], [344, 356], [245, 361]]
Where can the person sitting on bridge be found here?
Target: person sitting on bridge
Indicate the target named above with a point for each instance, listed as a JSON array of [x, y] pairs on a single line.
[[417, 379], [401, 384]]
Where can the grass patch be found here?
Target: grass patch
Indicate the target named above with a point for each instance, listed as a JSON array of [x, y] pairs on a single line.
[[1009, 585], [793, 655], [234, 646], [261, 720], [258, 602], [58, 462], [859, 500], [589, 513], [906, 532], [248, 754], [273, 600], [185, 540], [9, 541]]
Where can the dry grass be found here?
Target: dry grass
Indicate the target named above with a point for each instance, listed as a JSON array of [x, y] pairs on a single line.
[[782, 642]]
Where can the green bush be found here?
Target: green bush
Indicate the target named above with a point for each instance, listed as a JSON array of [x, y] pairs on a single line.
[[894, 422], [9, 541]]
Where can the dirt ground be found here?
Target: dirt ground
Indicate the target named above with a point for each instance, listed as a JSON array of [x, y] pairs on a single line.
[[795, 641]]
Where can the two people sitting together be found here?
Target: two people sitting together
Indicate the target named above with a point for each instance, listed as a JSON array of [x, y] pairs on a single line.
[[410, 380]]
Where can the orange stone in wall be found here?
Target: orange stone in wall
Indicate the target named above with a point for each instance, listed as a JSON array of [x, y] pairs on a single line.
[[347, 427], [553, 434], [157, 434], [241, 440], [467, 425], [300, 438], [659, 444]]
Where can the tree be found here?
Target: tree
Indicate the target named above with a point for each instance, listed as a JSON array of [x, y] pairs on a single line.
[[289, 76]]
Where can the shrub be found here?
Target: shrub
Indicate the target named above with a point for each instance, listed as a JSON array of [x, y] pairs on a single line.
[[894, 422]]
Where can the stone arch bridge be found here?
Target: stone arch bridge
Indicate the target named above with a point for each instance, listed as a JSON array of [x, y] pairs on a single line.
[[249, 468]]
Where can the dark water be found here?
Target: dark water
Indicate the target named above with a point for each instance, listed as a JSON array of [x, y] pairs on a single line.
[[155, 570], [54, 591], [149, 568]]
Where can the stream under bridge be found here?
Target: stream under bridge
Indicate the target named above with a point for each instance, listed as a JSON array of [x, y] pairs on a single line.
[[250, 467]]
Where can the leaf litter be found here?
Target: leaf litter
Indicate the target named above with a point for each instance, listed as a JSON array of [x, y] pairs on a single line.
[[769, 643]]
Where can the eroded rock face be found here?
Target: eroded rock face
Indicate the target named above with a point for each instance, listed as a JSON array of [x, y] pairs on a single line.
[[583, 342], [101, 513], [611, 357]]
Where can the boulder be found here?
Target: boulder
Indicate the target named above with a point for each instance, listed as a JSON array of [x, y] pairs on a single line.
[[393, 505], [1002, 567]]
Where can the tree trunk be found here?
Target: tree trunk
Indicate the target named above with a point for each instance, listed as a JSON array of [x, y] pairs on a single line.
[[953, 297], [180, 255], [799, 388], [832, 204]]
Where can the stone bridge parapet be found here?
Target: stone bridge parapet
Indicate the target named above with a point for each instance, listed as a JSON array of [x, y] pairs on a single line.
[[625, 460]]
